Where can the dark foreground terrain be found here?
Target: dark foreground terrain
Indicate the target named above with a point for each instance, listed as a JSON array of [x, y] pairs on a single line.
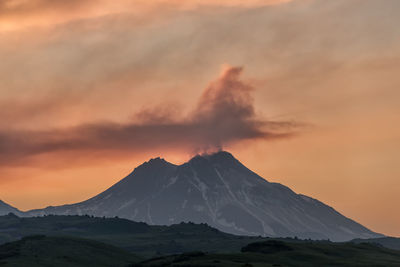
[[387, 242], [280, 253], [71, 251], [139, 238], [90, 241], [63, 251]]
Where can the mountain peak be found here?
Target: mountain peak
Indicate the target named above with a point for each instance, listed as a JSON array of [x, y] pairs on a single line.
[[153, 163], [218, 190], [221, 158], [6, 208], [158, 161], [221, 155]]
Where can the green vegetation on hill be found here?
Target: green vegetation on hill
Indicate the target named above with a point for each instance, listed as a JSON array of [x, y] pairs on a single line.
[[71, 251], [41, 251], [284, 253], [139, 238], [90, 241], [387, 242]]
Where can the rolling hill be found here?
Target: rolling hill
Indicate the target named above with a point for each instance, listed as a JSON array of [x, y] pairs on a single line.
[[39, 251]]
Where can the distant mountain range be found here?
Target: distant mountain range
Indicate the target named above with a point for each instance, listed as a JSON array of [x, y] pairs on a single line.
[[5, 209], [218, 190]]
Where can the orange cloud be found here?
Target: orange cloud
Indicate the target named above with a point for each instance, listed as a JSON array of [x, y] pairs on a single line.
[[17, 14], [223, 115]]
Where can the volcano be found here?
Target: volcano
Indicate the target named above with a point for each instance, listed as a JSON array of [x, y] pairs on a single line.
[[218, 190]]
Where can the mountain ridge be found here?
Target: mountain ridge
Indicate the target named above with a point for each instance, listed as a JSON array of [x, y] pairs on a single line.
[[219, 190], [6, 208]]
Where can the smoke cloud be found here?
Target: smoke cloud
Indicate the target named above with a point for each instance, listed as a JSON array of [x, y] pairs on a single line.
[[224, 115]]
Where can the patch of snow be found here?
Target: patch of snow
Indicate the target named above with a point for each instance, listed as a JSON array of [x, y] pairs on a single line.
[[198, 208], [202, 187], [184, 203], [267, 228], [148, 214], [135, 213], [347, 230], [172, 181], [126, 204], [108, 196], [225, 223]]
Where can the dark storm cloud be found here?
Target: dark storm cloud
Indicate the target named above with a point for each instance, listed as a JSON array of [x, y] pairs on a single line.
[[224, 115]]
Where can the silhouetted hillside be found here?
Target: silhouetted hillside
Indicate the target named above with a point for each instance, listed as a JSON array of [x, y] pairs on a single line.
[[388, 242], [78, 241], [41, 251], [147, 240], [287, 253]]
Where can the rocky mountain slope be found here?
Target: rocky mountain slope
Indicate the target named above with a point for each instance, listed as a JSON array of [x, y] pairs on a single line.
[[218, 190], [5, 209]]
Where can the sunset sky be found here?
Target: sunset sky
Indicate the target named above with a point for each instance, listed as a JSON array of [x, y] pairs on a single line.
[[304, 92]]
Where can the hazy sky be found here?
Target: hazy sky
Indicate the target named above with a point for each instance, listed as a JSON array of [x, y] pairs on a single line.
[[303, 92]]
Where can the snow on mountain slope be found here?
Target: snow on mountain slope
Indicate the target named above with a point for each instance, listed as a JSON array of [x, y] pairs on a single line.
[[218, 190]]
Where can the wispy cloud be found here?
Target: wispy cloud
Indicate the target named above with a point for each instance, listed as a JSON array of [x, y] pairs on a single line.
[[17, 14], [224, 115]]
